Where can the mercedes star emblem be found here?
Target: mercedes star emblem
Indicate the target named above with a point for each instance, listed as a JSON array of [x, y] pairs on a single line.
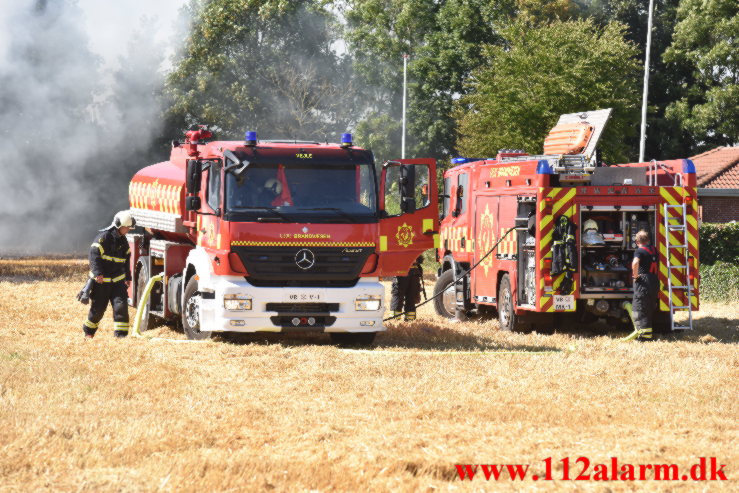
[[305, 259], [305, 229]]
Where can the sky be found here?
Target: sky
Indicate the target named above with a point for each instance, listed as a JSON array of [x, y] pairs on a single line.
[[110, 23]]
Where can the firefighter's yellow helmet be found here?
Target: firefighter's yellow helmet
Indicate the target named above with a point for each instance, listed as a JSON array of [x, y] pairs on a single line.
[[590, 224]]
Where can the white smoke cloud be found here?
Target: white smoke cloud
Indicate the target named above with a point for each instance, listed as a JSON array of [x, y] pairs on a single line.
[[77, 99]]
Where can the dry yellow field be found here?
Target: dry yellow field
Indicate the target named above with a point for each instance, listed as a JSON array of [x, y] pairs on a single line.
[[296, 413]]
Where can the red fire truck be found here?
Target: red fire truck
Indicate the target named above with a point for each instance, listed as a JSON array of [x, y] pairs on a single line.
[[276, 235], [573, 224]]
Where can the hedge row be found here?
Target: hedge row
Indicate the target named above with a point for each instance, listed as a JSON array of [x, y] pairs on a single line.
[[720, 282], [719, 243]]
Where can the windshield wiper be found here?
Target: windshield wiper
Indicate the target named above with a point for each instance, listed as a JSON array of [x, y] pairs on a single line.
[[267, 209], [338, 211]]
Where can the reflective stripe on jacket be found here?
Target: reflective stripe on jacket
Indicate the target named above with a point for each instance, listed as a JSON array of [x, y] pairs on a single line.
[[110, 256]]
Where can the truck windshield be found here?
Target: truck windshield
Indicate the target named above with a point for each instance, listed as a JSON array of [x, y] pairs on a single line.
[[302, 192]]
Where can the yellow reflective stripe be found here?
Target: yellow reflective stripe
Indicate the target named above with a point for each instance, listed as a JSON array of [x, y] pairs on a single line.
[[122, 325], [100, 247], [119, 278], [113, 259], [91, 324]]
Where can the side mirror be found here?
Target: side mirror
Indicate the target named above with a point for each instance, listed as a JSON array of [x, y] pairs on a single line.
[[458, 206], [408, 189], [194, 175], [193, 203]]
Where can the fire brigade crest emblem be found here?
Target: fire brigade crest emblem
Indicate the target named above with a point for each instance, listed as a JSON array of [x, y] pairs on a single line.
[[486, 237], [405, 235]]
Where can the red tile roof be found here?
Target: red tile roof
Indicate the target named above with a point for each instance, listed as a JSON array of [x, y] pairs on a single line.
[[718, 168]]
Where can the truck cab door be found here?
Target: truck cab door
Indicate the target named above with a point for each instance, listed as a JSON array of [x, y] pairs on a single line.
[[409, 208]]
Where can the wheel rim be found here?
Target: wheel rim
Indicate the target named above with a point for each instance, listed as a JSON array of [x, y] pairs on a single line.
[[449, 300], [505, 315], [192, 313]]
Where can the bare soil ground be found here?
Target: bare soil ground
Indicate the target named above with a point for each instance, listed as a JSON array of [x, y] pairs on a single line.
[[295, 413]]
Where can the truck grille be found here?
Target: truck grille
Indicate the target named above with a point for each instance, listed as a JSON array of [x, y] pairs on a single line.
[[303, 307], [278, 266]]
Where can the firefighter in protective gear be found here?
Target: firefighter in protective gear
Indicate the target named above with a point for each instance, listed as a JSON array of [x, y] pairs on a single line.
[[406, 291], [110, 259], [646, 285]]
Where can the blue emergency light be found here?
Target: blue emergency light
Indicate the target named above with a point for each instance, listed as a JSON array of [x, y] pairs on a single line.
[[251, 138], [543, 168], [346, 140], [688, 166], [459, 160]]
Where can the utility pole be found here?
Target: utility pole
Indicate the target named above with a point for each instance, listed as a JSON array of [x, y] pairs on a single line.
[[643, 138], [405, 82]]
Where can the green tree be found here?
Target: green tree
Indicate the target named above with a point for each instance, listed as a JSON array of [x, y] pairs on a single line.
[[444, 39], [264, 65], [564, 67], [705, 41], [665, 138]]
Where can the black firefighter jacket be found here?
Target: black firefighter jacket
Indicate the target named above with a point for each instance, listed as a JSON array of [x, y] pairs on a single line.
[[110, 256]]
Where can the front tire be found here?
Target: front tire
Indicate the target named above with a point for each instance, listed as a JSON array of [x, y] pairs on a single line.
[[445, 304], [353, 338], [191, 312]]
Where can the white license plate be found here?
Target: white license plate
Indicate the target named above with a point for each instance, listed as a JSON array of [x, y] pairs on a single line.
[[564, 302], [302, 297]]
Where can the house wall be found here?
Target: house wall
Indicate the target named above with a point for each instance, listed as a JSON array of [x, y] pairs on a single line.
[[718, 209]]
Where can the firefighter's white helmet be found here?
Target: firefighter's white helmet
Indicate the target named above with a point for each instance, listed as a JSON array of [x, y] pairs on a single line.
[[274, 186], [124, 219], [590, 224]]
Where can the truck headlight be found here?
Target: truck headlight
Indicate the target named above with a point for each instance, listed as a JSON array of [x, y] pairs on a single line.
[[237, 302], [368, 303]]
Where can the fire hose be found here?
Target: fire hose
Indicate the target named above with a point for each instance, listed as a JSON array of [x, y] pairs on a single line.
[[136, 332], [142, 304], [455, 281]]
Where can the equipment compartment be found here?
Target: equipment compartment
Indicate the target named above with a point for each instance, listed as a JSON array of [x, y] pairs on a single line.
[[607, 247]]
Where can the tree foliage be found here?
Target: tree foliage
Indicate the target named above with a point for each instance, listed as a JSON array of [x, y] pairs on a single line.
[[263, 64], [444, 41], [665, 138], [564, 67], [705, 41]]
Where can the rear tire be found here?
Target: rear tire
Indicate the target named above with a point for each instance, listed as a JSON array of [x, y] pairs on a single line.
[[445, 304], [353, 338], [506, 313], [191, 312]]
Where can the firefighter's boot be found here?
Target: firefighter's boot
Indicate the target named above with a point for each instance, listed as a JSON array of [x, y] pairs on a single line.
[[410, 316], [396, 314], [121, 329], [89, 328]]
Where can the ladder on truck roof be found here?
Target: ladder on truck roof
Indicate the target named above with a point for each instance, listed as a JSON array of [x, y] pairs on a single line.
[[680, 227]]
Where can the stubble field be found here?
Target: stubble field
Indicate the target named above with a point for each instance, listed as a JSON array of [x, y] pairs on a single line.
[[296, 413]]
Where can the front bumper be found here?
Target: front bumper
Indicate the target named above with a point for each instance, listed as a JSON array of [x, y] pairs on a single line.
[[336, 314]]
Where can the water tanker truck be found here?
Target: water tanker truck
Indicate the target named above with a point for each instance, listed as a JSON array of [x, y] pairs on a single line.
[[276, 236]]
